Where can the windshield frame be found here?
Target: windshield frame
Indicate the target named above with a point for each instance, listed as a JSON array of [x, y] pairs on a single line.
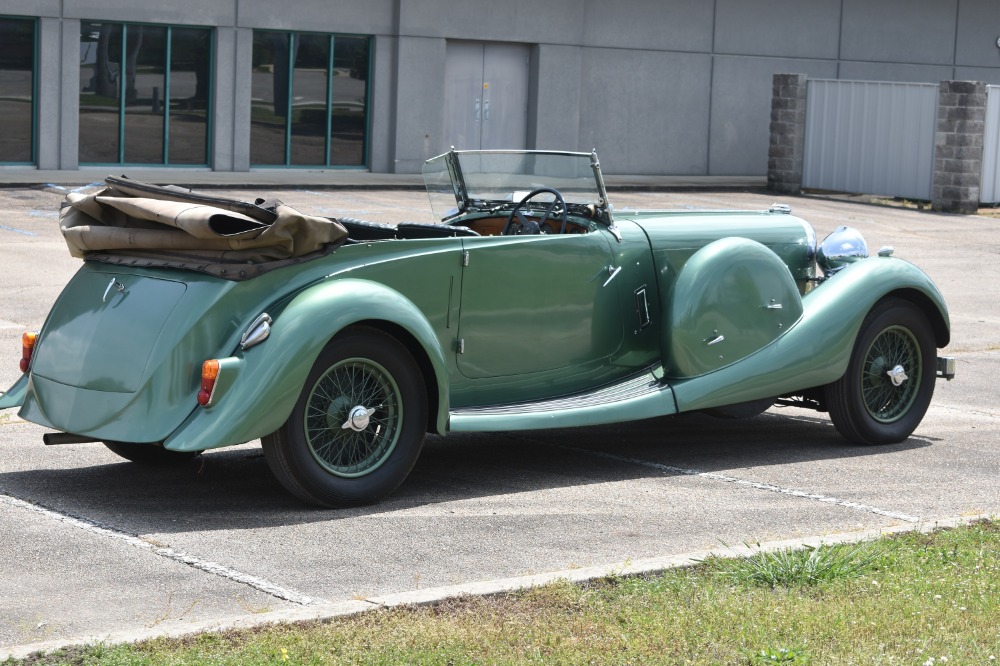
[[468, 181]]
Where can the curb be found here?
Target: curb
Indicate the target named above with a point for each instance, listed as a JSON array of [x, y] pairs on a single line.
[[332, 610]]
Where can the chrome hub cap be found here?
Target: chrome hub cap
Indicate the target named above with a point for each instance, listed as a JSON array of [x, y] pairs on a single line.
[[897, 375], [358, 418]]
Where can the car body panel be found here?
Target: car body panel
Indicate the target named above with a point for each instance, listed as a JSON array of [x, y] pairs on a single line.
[[94, 307], [273, 373], [620, 317], [555, 287], [732, 298], [14, 396], [817, 349], [636, 397]]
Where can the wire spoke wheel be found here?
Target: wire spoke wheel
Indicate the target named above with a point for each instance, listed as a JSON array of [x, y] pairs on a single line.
[[892, 374], [345, 445], [358, 426], [887, 388]]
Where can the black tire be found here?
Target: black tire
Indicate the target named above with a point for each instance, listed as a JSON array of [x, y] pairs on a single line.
[[150, 454], [866, 405], [329, 454]]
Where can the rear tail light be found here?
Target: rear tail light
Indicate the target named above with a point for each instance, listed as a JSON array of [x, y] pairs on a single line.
[[209, 375], [27, 347]]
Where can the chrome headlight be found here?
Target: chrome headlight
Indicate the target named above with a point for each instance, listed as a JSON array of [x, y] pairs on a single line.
[[844, 246]]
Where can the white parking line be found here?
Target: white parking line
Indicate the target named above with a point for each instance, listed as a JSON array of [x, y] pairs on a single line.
[[751, 484], [169, 553]]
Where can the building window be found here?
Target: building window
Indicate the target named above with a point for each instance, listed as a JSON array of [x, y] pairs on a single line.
[[17, 91], [309, 99], [153, 110]]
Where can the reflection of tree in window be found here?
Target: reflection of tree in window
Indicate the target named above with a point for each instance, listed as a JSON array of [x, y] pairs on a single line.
[[105, 82], [125, 113], [308, 105]]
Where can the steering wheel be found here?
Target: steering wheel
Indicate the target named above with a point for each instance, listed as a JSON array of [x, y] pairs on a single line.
[[532, 227]]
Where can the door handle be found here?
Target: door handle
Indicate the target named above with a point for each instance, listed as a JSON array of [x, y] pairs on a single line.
[[477, 109], [486, 109], [714, 340]]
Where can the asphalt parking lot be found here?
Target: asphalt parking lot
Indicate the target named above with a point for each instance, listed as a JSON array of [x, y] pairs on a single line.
[[94, 546]]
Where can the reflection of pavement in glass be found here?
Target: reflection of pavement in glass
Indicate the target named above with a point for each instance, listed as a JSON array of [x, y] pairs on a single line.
[[15, 140], [309, 88], [143, 137], [267, 140], [15, 84], [267, 147]]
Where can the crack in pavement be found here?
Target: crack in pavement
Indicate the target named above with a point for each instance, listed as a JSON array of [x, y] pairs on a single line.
[[193, 561], [826, 499]]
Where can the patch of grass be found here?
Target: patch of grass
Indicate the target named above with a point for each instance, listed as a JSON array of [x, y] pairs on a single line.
[[782, 656], [794, 567], [911, 599]]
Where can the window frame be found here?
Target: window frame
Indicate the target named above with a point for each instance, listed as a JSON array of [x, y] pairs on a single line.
[[327, 148], [167, 61], [33, 132]]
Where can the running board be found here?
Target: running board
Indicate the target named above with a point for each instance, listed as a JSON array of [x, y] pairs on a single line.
[[638, 397]]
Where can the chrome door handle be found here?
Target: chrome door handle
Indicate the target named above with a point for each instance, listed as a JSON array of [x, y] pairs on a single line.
[[477, 109], [118, 286], [486, 109], [612, 273]]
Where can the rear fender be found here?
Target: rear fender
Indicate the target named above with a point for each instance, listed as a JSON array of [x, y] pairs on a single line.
[[817, 349], [271, 374], [14, 397]]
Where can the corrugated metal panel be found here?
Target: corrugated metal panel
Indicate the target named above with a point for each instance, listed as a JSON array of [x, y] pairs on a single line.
[[872, 137], [990, 192]]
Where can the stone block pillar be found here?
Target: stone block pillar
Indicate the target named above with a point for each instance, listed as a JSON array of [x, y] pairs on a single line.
[[788, 131], [958, 146]]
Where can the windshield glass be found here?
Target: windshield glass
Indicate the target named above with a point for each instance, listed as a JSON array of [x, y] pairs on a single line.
[[486, 178]]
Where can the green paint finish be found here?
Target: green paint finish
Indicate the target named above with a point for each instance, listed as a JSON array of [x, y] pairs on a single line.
[[275, 371], [90, 391], [732, 298], [87, 328], [817, 349], [536, 303], [510, 332], [14, 397], [675, 235]]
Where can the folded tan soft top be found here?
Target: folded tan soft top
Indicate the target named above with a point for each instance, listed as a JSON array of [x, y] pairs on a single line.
[[136, 224]]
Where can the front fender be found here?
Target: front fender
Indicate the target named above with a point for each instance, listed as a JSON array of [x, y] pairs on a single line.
[[271, 374], [817, 349]]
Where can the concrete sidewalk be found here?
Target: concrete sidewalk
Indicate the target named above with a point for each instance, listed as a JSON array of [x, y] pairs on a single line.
[[328, 179]]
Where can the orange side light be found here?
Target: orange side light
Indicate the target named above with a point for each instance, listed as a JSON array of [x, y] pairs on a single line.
[[27, 347], [209, 374]]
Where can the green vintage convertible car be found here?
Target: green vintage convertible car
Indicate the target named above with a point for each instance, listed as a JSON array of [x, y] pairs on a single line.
[[198, 322]]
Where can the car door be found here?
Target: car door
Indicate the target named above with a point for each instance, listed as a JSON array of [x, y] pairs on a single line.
[[535, 304]]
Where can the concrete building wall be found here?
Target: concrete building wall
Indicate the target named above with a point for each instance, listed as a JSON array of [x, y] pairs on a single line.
[[657, 86]]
